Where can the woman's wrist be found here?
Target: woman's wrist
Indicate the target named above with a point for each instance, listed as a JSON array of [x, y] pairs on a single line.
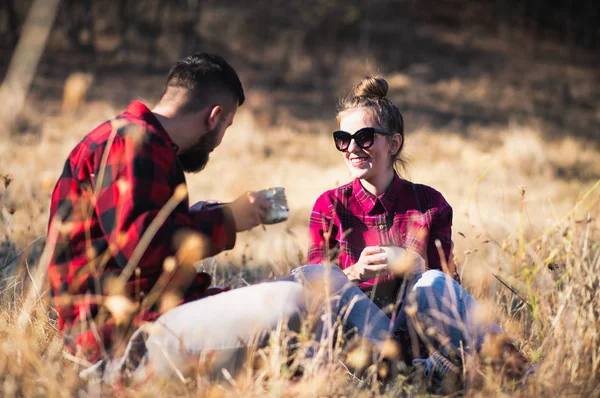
[[351, 274]]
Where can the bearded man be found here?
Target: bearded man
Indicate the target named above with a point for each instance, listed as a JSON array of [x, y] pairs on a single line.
[[125, 236]]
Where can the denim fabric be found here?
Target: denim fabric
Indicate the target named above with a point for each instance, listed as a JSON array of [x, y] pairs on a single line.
[[230, 322], [346, 301], [443, 305]]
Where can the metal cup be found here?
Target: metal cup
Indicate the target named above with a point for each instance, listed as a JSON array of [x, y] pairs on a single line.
[[403, 262], [279, 210]]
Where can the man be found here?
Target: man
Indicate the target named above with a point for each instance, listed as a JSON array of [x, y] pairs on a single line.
[[125, 237]]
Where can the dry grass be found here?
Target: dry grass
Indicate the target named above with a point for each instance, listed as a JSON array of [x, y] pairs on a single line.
[[525, 209], [515, 216]]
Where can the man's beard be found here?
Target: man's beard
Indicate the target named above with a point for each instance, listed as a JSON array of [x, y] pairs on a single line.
[[194, 159]]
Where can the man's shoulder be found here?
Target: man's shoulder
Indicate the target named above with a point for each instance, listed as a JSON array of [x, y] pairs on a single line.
[[124, 126], [115, 131]]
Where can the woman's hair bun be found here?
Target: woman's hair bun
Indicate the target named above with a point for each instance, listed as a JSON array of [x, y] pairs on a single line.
[[372, 87]]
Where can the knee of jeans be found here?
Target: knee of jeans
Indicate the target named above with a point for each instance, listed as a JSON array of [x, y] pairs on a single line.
[[436, 281], [429, 291], [304, 272], [317, 273], [436, 292], [430, 277]]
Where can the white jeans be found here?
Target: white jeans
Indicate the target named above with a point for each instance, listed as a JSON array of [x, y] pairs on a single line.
[[219, 327], [225, 325]]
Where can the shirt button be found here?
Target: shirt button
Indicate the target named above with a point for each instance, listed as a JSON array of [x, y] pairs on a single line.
[[382, 227]]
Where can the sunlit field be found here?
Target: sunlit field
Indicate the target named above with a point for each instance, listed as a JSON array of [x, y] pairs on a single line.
[[517, 162], [513, 217]]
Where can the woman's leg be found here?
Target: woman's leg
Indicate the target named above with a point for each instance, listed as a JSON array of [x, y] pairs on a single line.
[[346, 301], [443, 314]]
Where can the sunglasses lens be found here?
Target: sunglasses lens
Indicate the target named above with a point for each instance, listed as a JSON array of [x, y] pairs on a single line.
[[365, 138], [342, 140]]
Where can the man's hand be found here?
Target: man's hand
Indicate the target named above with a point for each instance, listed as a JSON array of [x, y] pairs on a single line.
[[249, 210], [373, 262]]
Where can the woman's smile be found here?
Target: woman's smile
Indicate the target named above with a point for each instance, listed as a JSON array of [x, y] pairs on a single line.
[[358, 160]]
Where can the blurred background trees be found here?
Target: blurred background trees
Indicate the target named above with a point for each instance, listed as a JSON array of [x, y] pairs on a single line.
[[315, 21], [298, 56]]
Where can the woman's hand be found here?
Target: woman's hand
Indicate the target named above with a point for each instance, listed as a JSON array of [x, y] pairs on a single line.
[[373, 262]]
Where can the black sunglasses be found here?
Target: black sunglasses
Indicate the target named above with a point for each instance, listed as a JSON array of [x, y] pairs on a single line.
[[364, 138]]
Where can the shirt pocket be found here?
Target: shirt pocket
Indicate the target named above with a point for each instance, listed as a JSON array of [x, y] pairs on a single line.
[[411, 230], [351, 238]]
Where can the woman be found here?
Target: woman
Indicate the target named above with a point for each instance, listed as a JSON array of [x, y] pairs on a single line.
[[364, 226], [350, 224]]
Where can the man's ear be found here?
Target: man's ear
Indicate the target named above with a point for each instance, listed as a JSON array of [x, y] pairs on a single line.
[[214, 117]]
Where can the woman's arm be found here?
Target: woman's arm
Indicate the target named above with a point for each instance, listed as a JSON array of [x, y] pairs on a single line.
[[441, 230], [322, 246]]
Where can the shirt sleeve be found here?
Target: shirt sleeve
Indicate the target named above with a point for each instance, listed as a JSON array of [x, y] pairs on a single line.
[[139, 179], [322, 232], [441, 229]]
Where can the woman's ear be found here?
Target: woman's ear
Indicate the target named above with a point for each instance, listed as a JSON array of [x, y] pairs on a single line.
[[214, 117], [395, 144]]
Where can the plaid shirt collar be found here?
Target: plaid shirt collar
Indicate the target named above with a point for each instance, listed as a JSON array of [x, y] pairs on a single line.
[[368, 201], [138, 110]]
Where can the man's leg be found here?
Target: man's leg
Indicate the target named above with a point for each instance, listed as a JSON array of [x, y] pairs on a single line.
[[219, 327]]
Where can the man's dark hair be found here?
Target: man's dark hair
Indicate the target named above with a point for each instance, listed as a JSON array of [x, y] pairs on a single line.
[[205, 76]]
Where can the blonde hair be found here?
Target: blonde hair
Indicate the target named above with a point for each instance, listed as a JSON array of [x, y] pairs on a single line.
[[370, 94]]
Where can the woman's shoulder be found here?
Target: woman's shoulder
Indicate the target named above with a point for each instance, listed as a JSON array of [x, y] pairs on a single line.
[[431, 195], [334, 195], [338, 192]]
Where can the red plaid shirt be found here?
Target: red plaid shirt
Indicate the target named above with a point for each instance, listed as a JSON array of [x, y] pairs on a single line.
[[347, 219], [100, 223]]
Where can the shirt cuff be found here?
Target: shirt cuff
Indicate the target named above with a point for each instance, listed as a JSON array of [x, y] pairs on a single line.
[[223, 231]]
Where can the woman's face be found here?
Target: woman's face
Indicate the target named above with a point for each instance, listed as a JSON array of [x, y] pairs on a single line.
[[375, 161]]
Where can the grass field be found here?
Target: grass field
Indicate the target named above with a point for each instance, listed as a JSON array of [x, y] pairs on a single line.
[[513, 217], [525, 190]]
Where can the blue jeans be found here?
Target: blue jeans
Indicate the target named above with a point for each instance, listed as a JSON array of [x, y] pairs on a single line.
[[346, 302], [437, 309], [429, 300]]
